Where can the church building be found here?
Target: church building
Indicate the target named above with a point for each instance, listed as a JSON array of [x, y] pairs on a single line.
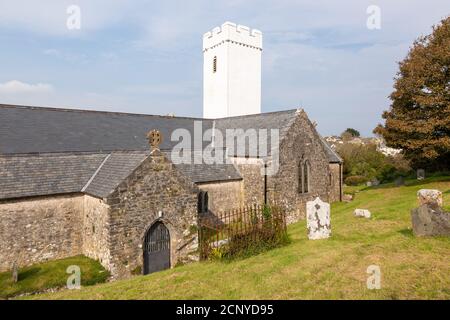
[[89, 182]]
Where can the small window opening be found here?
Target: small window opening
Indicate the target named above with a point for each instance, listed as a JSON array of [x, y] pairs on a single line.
[[215, 65]]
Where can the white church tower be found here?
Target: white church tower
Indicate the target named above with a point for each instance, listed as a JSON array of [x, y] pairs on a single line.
[[231, 71]]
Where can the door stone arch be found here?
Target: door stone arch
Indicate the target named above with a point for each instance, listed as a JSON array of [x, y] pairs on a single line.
[[156, 248]]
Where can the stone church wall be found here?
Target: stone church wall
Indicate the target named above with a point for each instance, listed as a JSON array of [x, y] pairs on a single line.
[[155, 191], [335, 182], [300, 142], [96, 230], [39, 229], [223, 196], [253, 180]]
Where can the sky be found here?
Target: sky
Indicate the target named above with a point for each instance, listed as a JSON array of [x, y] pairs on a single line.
[[146, 56]]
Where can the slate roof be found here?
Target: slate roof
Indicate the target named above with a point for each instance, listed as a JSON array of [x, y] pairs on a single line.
[[35, 175], [47, 151], [203, 172], [281, 120], [46, 130], [115, 168], [333, 157]]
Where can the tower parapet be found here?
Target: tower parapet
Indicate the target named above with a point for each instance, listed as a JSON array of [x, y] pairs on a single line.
[[233, 33]]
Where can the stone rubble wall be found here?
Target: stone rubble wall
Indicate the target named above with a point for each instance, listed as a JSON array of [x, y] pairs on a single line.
[[39, 229], [155, 191], [335, 182], [96, 244], [301, 142], [223, 196]]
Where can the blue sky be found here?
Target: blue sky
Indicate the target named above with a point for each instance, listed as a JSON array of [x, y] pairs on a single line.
[[146, 56]]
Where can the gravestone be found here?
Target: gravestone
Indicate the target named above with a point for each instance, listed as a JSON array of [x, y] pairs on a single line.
[[400, 181], [318, 219], [362, 213], [375, 182], [15, 273], [429, 196], [420, 174], [430, 220]]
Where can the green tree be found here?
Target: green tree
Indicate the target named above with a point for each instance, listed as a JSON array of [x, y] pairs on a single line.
[[418, 121], [352, 132]]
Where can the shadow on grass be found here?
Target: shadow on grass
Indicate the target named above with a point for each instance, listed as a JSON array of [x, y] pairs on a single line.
[[28, 273], [407, 233]]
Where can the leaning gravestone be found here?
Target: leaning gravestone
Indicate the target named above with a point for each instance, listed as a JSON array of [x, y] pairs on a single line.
[[420, 174], [430, 220], [429, 196], [318, 219]]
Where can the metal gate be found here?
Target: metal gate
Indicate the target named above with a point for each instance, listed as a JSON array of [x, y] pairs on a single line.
[[156, 248]]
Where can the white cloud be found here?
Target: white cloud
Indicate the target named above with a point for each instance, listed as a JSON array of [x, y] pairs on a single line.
[[17, 87]]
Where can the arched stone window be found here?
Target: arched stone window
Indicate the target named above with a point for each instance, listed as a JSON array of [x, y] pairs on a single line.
[[304, 169], [215, 65], [202, 202]]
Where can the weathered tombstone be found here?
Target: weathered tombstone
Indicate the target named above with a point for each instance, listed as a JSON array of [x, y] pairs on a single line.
[[430, 220], [400, 181], [420, 174], [369, 183], [362, 213], [375, 182], [15, 272], [347, 197], [429, 196], [318, 219]]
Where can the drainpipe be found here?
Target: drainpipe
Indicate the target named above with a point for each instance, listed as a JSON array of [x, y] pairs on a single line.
[[265, 183]]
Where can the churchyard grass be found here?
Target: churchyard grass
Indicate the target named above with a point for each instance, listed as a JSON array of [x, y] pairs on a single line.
[[335, 268], [40, 277]]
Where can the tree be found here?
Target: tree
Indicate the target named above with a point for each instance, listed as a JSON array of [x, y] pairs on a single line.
[[352, 132], [418, 121]]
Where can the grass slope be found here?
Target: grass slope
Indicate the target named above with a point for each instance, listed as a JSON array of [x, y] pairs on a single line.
[[412, 268], [51, 274]]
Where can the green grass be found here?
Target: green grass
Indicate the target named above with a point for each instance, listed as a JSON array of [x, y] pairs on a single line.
[[411, 268], [39, 277]]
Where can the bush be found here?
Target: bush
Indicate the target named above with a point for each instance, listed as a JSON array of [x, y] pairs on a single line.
[[363, 163], [355, 180]]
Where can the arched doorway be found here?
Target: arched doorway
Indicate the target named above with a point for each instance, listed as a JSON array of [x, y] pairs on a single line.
[[156, 248]]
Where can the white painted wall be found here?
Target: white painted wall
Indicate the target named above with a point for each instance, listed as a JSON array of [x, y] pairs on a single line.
[[235, 88]]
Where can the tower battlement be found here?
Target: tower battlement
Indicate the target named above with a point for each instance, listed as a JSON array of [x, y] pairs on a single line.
[[231, 71], [231, 32]]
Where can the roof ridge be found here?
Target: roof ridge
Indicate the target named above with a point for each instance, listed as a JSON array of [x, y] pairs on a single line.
[[95, 173], [13, 106], [256, 114]]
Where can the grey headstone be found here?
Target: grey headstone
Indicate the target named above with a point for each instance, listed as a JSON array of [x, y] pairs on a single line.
[[420, 174], [430, 220]]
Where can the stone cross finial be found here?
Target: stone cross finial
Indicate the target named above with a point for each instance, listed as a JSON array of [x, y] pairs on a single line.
[[154, 139]]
